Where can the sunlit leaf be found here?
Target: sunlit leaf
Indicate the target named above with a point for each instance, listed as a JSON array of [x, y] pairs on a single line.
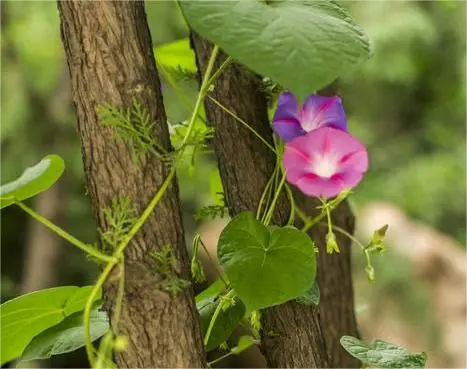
[[176, 54], [34, 180], [24, 317], [302, 44], [382, 354]]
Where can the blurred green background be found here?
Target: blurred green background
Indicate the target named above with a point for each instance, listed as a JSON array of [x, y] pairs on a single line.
[[407, 104]]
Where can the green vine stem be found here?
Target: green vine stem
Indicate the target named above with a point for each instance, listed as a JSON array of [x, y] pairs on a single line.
[[292, 205], [215, 316], [87, 311], [240, 120], [146, 213], [330, 206], [362, 246], [73, 240], [120, 295], [265, 196], [268, 216], [214, 264], [219, 71]]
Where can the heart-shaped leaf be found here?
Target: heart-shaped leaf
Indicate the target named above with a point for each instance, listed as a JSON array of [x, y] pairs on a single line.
[[302, 44], [382, 354], [67, 336], [34, 180], [24, 317], [266, 267], [225, 322]]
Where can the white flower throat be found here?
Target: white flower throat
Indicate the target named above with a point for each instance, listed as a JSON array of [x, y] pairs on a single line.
[[325, 166]]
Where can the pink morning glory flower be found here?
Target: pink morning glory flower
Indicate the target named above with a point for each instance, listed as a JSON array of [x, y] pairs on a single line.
[[292, 120], [325, 161]]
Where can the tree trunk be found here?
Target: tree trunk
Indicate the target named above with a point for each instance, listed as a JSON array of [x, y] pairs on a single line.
[[303, 336], [109, 54]]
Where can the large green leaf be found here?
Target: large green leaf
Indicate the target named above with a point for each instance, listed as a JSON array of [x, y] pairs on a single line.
[[225, 323], [302, 44], [66, 336], [266, 267], [382, 354], [34, 180], [24, 317]]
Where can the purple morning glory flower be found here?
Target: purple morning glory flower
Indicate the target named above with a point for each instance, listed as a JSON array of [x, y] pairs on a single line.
[[325, 161], [291, 120]]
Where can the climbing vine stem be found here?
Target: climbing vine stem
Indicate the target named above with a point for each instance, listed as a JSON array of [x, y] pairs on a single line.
[[117, 255], [89, 249]]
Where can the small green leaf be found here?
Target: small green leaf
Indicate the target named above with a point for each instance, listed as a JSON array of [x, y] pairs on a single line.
[[34, 180], [225, 323], [24, 317], [382, 354], [310, 297], [302, 44], [266, 267], [244, 343], [67, 336], [213, 290]]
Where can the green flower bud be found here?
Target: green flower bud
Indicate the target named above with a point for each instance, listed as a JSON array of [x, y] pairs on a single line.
[[197, 270], [331, 243], [120, 343], [255, 319]]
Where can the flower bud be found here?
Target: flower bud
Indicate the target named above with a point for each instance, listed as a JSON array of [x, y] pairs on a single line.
[[370, 271], [120, 343], [197, 270], [376, 242], [255, 319], [331, 243]]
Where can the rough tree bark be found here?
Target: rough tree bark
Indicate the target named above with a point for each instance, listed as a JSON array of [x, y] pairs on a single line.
[[109, 54], [306, 337]]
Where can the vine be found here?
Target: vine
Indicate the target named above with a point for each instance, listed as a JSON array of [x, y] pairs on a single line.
[[313, 152]]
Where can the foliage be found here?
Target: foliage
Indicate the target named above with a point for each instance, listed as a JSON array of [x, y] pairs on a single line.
[[251, 255], [303, 45], [228, 318], [133, 125], [33, 180], [66, 336], [265, 265], [120, 217], [381, 354], [24, 317], [177, 59], [165, 263]]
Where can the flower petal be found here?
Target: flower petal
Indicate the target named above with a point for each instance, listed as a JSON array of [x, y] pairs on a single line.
[[287, 107], [319, 187], [287, 129], [319, 111], [296, 163], [355, 161], [303, 162]]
